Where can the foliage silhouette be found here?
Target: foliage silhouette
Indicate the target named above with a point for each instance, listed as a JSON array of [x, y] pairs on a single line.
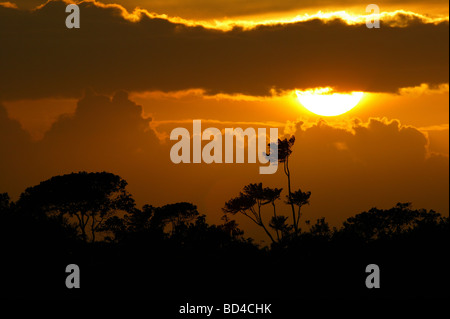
[[84, 199], [250, 201], [380, 224], [254, 197], [5, 203], [172, 252]]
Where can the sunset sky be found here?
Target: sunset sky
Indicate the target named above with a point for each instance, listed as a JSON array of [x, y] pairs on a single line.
[[105, 97]]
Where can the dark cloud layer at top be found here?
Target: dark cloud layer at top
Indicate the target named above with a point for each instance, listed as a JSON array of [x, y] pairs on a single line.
[[195, 9], [41, 58]]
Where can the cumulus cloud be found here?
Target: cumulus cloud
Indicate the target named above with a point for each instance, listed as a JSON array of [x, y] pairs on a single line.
[[108, 53], [15, 157], [377, 143], [377, 163], [103, 133]]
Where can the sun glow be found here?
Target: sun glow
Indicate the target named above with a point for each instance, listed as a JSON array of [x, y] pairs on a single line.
[[323, 101]]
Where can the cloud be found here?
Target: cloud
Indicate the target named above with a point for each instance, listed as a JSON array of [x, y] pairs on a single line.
[[103, 131], [377, 163], [109, 53], [218, 9], [11, 133], [15, 158], [103, 134], [378, 143], [424, 89], [24, 4], [8, 5]]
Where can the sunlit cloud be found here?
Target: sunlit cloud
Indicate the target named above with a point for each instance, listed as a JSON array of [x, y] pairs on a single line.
[[203, 94], [400, 18], [425, 89], [8, 5]]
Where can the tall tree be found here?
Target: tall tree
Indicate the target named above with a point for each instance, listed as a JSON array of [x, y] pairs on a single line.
[[84, 199], [284, 152]]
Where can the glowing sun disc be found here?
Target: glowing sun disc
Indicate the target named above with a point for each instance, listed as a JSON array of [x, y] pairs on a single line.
[[323, 102]]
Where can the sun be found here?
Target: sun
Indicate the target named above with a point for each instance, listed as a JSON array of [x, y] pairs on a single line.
[[322, 101]]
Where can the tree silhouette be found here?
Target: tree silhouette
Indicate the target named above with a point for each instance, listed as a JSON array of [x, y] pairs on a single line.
[[320, 229], [254, 196], [299, 199], [5, 203], [250, 201], [230, 227], [379, 224], [177, 215], [85, 199], [284, 152], [139, 221], [281, 227], [154, 223]]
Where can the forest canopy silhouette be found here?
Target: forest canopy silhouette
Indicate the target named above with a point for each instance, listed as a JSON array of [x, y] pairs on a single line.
[[91, 219]]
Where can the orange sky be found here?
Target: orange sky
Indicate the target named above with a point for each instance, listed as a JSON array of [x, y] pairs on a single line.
[[392, 147]]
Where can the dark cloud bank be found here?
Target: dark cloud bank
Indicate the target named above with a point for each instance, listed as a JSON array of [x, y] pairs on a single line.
[[217, 9], [41, 58]]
